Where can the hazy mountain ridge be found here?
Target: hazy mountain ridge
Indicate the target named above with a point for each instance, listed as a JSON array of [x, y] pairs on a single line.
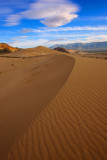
[[82, 46]]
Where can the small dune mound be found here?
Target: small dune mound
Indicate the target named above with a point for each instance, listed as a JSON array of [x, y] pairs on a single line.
[[61, 49], [44, 50], [36, 51]]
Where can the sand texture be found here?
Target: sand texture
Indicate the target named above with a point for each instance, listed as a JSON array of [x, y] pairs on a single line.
[[69, 125]]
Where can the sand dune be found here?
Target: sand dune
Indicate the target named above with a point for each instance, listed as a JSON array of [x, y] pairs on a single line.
[[73, 125], [26, 88]]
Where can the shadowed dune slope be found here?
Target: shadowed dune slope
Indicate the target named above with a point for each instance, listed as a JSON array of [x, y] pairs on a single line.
[[26, 87], [74, 124]]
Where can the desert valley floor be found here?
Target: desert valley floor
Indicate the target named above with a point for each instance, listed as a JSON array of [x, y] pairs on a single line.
[[53, 107]]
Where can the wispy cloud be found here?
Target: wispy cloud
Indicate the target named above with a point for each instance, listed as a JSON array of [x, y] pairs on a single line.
[[26, 30], [9, 7], [31, 30], [61, 29], [51, 13], [13, 20], [57, 40], [19, 37], [78, 28], [88, 39]]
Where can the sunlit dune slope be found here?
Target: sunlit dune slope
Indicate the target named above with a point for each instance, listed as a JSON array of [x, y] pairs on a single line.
[[74, 124]]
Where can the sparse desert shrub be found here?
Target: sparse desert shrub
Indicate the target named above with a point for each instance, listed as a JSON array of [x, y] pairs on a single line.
[[6, 50]]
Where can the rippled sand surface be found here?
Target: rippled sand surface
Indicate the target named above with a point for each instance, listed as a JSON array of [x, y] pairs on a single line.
[[73, 126]]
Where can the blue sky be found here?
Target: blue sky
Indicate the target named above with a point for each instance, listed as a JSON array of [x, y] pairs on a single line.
[[29, 23]]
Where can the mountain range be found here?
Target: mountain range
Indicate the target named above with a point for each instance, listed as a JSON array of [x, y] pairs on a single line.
[[83, 46]]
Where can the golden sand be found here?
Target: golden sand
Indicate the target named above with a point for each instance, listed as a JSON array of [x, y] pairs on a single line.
[[73, 125]]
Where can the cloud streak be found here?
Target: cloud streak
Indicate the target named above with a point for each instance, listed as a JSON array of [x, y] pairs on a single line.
[[65, 29], [76, 28], [57, 40], [19, 37]]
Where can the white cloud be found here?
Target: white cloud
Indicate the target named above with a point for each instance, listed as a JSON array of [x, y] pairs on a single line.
[[52, 13], [59, 20]]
